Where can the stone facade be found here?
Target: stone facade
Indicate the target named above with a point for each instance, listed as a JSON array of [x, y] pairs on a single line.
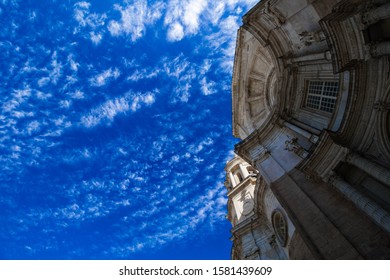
[[311, 101]]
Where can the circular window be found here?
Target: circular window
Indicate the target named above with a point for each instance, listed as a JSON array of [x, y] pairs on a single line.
[[280, 226]]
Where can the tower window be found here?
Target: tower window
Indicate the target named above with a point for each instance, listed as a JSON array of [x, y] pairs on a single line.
[[239, 177], [322, 95]]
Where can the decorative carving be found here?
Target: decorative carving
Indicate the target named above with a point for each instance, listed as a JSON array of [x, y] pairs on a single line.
[[309, 38], [314, 138], [377, 49], [313, 178], [372, 13], [332, 176], [381, 106], [260, 153], [273, 14], [293, 146], [247, 207]]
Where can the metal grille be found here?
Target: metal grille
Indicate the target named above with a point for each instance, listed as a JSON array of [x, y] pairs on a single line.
[[322, 95]]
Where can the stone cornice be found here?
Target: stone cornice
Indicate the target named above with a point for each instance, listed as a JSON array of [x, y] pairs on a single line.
[[255, 139], [247, 181]]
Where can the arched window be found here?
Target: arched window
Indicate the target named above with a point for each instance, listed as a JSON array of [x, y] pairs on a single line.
[[279, 224], [239, 177]]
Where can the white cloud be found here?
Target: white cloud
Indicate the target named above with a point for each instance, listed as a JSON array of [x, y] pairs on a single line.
[[192, 13], [182, 18], [146, 99], [83, 4], [77, 94], [206, 65], [21, 114], [19, 97], [175, 32], [43, 96], [96, 37], [102, 78], [32, 127], [56, 70], [140, 74], [107, 111], [85, 18], [135, 18], [208, 88], [43, 81], [223, 41], [115, 28], [65, 103], [215, 11]]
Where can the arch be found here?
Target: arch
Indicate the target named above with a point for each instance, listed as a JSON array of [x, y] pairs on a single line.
[[383, 124], [239, 176], [259, 195], [280, 225], [255, 93]]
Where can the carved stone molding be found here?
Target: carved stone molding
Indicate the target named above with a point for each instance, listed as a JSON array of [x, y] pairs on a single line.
[[313, 178], [273, 14], [373, 13], [309, 38], [260, 153], [380, 49], [381, 106]]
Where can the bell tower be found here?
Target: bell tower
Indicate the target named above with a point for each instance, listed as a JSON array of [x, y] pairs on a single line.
[[252, 235], [240, 182]]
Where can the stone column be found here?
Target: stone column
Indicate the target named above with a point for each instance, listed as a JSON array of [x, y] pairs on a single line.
[[375, 170], [380, 49], [368, 206], [232, 180], [376, 14]]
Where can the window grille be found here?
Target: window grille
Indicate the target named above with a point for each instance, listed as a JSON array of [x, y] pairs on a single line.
[[322, 95]]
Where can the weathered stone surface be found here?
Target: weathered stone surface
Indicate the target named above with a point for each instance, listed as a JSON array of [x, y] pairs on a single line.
[[310, 95]]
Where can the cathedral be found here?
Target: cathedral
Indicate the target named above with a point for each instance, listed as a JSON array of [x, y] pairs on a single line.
[[310, 102]]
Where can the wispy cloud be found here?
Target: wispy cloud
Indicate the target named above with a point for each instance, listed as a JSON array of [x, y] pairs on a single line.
[[182, 18], [140, 74], [135, 18], [157, 167], [85, 18], [208, 87], [103, 78], [106, 112]]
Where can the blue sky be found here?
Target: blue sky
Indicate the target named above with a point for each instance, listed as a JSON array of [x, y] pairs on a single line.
[[115, 126]]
